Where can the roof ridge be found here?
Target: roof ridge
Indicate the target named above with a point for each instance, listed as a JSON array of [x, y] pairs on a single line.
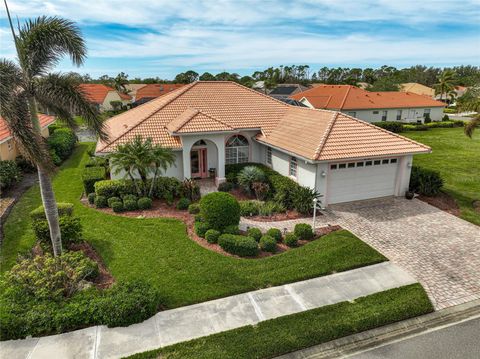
[[324, 138], [257, 92], [215, 119], [193, 115], [345, 97]]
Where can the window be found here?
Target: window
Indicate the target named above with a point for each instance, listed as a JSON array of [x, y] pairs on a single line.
[[393, 160], [351, 165], [376, 162], [426, 113], [333, 167], [269, 155], [399, 115], [293, 166], [342, 165], [384, 115], [200, 143], [353, 114], [359, 164], [385, 162], [236, 150], [368, 163], [375, 112]]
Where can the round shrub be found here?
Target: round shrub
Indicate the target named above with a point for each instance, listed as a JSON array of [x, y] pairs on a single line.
[[194, 208], [232, 229], [113, 199], [225, 187], [130, 204], [291, 239], [249, 208], [238, 245], [268, 244], [91, 198], [101, 202], [303, 231], [212, 236], [201, 228], [183, 204], [275, 233], [255, 233], [144, 203], [425, 181], [117, 207], [9, 174], [219, 210], [250, 175], [130, 197]]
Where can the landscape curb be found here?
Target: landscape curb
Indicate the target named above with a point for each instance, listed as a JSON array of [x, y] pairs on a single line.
[[375, 337]]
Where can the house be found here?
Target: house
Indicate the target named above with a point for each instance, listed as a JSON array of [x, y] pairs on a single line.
[[283, 91], [133, 88], [105, 97], [418, 89], [214, 123], [151, 91], [372, 106], [8, 148]]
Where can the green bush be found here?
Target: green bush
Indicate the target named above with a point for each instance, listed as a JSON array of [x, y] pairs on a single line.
[[130, 204], [303, 199], [57, 161], [275, 233], [190, 190], [183, 204], [291, 239], [24, 165], [303, 231], [101, 201], [144, 203], [111, 200], [225, 187], [249, 208], [114, 188], [238, 245], [70, 229], [255, 233], [117, 206], [64, 209], [445, 118], [194, 208], [425, 181], [395, 127], [201, 228], [270, 208], [212, 235], [130, 197], [248, 176], [231, 229], [91, 198], [97, 162], [219, 210], [268, 244], [166, 187], [419, 127], [9, 174], [62, 142]]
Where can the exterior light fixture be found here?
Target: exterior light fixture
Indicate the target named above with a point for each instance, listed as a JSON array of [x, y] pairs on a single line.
[[323, 174]]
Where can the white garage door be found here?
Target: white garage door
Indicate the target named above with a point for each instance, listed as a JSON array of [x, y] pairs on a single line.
[[353, 181]]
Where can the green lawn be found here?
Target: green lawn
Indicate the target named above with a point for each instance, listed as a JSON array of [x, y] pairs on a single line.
[[159, 251], [297, 331], [456, 157]]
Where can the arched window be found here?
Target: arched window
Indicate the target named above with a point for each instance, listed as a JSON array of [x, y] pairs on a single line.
[[236, 150]]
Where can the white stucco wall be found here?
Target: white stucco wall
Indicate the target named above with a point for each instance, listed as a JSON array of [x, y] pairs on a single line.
[[111, 96], [408, 115], [403, 175]]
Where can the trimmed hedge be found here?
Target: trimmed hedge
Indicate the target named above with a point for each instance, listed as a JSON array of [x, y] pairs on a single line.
[[225, 187], [165, 187], [70, 229], [268, 244], [9, 174], [90, 176], [212, 235], [144, 203], [255, 233], [101, 201], [249, 208], [303, 231], [194, 208], [64, 209], [130, 204], [62, 142], [275, 233], [239, 245], [291, 239], [97, 162], [219, 210], [425, 181], [117, 206], [183, 204], [232, 229], [200, 229], [111, 200], [395, 127], [91, 198]]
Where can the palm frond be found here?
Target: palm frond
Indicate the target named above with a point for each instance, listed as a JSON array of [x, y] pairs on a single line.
[[10, 79]]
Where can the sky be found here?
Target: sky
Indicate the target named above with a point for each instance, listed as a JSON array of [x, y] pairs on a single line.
[[162, 38]]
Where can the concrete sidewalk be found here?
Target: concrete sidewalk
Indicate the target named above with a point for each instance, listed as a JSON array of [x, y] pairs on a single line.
[[181, 324]]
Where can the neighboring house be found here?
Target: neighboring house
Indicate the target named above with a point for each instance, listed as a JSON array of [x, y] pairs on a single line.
[[418, 89], [103, 96], [283, 91], [151, 91], [211, 124], [260, 86], [133, 88], [8, 148], [372, 106]]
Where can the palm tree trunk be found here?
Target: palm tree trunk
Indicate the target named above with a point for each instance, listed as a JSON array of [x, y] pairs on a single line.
[[150, 193], [46, 190], [139, 192]]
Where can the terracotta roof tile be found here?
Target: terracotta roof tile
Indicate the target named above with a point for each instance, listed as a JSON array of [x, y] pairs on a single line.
[[155, 90], [45, 120], [97, 92], [193, 121]]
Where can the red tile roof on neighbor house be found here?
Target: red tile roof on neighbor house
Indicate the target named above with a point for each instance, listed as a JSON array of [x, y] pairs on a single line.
[[347, 97], [155, 90], [213, 106], [96, 93], [45, 120]]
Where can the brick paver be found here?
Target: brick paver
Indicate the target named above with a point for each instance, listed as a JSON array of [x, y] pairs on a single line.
[[440, 250]]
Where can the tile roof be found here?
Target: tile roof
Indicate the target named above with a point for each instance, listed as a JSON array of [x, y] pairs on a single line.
[[205, 106], [417, 88], [97, 92], [155, 90], [45, 120], [347, 97]]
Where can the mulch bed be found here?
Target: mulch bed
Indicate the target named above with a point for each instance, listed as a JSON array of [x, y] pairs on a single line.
[[277, 217], [444, 202]]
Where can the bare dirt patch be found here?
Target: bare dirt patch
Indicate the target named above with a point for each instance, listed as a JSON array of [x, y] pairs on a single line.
[[444, 202]]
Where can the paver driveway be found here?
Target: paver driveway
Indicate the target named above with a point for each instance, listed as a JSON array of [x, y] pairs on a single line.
[[440, 250]]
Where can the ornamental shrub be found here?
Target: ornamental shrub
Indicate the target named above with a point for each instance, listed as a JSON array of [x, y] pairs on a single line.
[[64, 209], [62, 142], [166, 187], [303, 231], [255, 233], [303, 199], [183, 204], [130, 197], [425, 181], [91, 198], [117, 206], [144, 203], [101, 201], [212, 235], [219, 210], [130, 204], [445, 118], [249, 208], [57, 161], [97, 162], [9, 174], [190, 190], [275, 233], [232, 229], [194, 208], [111, 200], [114, 188], [392, 126], [70, 229], [238, 245], [248, 176], [268, 244], [225, 187], [261, 190], [200, 229], [291, 239]]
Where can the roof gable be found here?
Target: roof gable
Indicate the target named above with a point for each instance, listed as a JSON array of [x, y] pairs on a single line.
[[194, 121]]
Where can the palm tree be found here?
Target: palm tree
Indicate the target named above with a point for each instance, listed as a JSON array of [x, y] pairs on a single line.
[[162, 159], [470, 101], [445, 84], [40, 44]]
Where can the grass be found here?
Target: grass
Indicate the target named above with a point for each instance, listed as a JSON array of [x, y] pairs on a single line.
[[456, 157], [160, 252], [293, 332]]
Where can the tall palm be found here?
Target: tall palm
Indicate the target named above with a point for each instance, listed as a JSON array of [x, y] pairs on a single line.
[[162, 159], [445, 84], [470, 101], [40, 44]]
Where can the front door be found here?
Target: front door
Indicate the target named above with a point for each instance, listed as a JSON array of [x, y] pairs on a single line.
[[198, 162]]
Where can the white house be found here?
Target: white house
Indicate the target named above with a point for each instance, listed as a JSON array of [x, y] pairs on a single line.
[[369, 106], [105, 96], [211, 124]]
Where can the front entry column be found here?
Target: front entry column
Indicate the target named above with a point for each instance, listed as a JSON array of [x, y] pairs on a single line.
[[186, 163], [221, 161]]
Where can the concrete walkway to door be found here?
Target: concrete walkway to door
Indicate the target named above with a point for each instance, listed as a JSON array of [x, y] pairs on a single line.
[[185, 323]]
